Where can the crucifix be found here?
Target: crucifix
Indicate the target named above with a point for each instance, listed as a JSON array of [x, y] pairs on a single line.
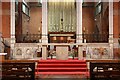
[[61, 25]]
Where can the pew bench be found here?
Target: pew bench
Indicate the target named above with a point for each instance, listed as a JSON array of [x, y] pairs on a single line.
[[104, 70], [18, 70]]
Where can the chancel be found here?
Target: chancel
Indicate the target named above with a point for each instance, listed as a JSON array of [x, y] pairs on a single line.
[[41, 39]]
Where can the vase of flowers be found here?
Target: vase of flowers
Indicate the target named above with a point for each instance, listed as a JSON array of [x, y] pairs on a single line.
[[52, 53], [73, 53]]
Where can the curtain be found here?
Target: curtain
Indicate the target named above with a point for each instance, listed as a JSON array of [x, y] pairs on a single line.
[[61, 16]]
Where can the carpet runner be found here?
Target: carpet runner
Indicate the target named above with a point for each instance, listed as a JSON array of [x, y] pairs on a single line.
[[68, 67]]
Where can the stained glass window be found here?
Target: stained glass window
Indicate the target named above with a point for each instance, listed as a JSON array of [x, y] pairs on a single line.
[[25, 9], [98, 8]]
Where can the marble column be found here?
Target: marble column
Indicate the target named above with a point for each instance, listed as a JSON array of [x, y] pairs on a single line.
[[44, 22], [79, 28], [79, 22], [44, 29], [111, 27], [12, 18]]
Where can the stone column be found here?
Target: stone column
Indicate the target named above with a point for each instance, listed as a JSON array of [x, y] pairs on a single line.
[[12, 18], [111, 27], [79, 28], [44, 29], [79, 22], [44, 22]]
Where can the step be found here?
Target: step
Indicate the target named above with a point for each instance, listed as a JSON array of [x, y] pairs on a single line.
[[62, 61], [57, 59], [77, 67], [61, 69], [61, 65], [84, 73]]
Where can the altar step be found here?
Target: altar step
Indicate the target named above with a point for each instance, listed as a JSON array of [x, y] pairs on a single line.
[[63, 73], [70, 58], [62, 67]]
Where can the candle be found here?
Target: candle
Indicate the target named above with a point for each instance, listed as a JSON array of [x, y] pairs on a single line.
[[54, 38], [61, 38], [69, 38], [84, 29], [39, 29]]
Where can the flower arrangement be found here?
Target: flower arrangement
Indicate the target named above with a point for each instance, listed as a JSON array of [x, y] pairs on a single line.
[[73, 52], [52, 53]]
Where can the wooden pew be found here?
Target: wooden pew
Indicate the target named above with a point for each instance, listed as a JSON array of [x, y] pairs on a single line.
[[18, 70], [104, 70]]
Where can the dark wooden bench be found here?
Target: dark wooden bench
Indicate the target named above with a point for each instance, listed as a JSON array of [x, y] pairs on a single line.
[[18, 70], [104, 70]]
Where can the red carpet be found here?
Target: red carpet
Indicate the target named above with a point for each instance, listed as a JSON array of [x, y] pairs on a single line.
[[62, 67]]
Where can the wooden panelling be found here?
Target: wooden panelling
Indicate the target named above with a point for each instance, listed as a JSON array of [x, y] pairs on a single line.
[[106, 70], [18, 70]]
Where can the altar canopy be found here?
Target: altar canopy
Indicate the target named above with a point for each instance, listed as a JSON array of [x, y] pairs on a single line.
[[62, 16]]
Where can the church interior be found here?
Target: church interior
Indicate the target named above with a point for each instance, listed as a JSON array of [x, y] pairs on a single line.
[[59, 39]]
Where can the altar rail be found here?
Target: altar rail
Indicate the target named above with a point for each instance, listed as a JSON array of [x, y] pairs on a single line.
[[18, 70], [104, 70]]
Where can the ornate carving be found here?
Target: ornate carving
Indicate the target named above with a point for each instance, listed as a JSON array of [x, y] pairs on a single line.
[[28, 53], [19, 52]]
